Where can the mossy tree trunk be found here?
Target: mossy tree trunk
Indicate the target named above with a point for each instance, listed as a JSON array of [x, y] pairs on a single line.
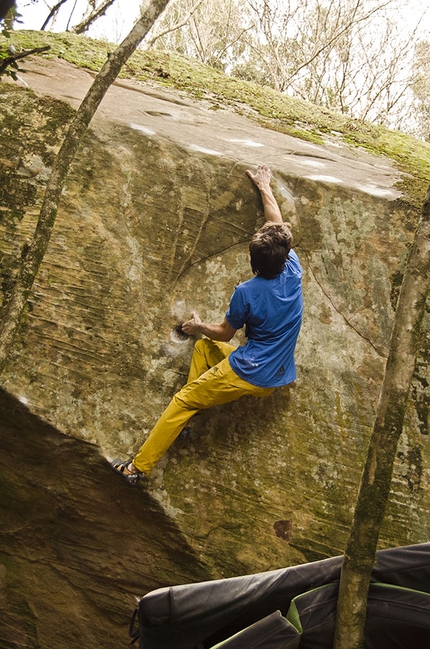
[[376, 479], [33, 254]]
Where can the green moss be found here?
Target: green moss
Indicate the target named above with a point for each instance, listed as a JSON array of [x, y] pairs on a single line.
[[30, 129], [271, 109], [396, 282], [19, 133]]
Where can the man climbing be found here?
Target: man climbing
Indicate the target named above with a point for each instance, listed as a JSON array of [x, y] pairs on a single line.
[[270, 305]]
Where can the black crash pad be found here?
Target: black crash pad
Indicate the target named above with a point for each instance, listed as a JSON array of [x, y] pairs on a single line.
[[202, 615]]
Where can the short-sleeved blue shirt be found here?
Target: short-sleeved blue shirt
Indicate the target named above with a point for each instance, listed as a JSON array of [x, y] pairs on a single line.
[[272, 311]]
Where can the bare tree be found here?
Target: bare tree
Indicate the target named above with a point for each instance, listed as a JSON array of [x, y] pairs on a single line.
[[293, 36], [33, 254], [52, 14], [350, 55], [93, 12], [370, 77], [96, 13], [168, 26], [207, 30], [375, 484], [273, 40], [420, 84]]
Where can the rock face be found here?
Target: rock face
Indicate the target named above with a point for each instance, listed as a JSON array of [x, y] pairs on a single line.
[[75, 548], [155, 221]]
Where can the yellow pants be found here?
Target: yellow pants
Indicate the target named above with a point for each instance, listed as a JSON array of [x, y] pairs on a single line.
[[211, 382]]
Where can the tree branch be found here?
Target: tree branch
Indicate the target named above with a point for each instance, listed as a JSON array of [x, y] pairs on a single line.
[[168, 30], [16, 57], [87, 22], [52, 13]]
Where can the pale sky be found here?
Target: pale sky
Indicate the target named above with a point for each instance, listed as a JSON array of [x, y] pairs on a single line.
[[114, 26], [119, 18]]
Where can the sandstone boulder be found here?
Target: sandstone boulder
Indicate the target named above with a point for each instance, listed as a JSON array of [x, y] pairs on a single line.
[[155, 221]]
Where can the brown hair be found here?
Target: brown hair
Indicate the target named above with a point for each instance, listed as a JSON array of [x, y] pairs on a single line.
[[269, 248]]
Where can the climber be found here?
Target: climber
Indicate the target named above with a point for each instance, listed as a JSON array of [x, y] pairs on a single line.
[[270, 305]]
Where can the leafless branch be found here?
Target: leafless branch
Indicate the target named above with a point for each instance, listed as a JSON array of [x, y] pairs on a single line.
[[16, 57], [168, 30], [52, 13], [94, 15]]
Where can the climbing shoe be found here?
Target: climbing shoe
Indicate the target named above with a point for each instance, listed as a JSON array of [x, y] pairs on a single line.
[[122, 467], [185, 432]]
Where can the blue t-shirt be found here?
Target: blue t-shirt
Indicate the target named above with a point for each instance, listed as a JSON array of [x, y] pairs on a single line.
[[272, 311]]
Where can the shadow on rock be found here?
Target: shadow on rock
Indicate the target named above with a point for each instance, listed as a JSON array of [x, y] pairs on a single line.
[[77, 543]]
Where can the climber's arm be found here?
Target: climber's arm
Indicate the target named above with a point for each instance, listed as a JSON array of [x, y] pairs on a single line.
[[221, 331], [261, 180]]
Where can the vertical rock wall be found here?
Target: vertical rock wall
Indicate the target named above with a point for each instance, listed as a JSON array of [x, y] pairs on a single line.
[[147, 231]]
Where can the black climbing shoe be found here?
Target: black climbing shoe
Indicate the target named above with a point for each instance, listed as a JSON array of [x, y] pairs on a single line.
[[122, 467], [185, 432]]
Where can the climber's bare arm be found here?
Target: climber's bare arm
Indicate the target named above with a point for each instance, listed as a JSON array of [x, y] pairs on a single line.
[[261, 180], [222, 331]]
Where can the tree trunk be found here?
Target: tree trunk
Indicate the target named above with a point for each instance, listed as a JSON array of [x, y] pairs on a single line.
[[34, 254], [376, 479]]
